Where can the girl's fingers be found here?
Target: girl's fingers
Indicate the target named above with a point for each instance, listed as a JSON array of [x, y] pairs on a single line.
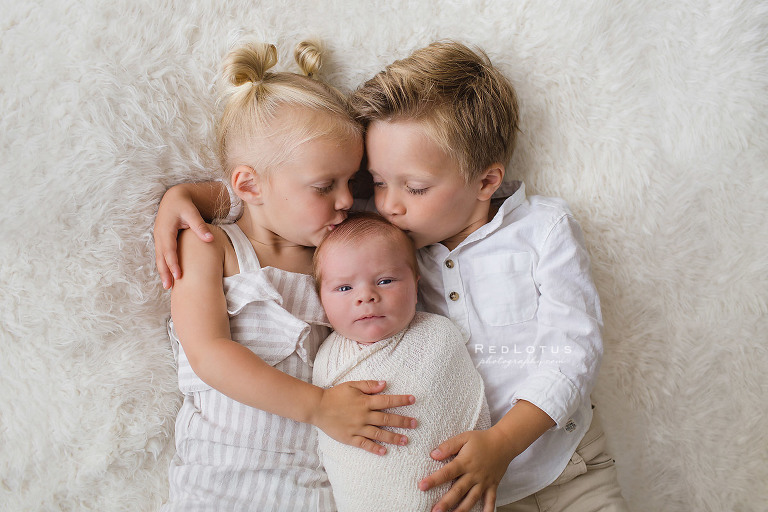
[[383, 419], [384, 436], [379, 402], [368, 387], [369, 446]]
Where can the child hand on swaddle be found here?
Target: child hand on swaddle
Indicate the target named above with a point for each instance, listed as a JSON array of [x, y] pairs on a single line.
[[367, 276]]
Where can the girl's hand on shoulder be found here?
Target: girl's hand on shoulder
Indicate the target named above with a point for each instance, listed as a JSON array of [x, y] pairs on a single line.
[[351, 413], [177, 211], [478, 468]]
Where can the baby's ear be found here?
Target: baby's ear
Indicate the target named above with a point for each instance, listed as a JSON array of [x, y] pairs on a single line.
[[247, 184], [490, 181]]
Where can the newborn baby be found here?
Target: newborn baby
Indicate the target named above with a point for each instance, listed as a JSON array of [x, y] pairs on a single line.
[[367, 276]]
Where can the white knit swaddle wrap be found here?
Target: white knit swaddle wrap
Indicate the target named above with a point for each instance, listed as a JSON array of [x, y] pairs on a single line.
[[428, 360]]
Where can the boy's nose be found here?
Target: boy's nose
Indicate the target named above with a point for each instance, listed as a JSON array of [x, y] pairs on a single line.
[[391, 204]]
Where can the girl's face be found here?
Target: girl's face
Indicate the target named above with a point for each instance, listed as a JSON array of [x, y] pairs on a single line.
[[309, 194]]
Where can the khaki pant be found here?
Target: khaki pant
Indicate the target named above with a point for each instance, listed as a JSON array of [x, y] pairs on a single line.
[[588, 483]]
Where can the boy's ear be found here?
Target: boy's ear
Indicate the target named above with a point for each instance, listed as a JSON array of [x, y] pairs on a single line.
[[490, 181], [247, 184]]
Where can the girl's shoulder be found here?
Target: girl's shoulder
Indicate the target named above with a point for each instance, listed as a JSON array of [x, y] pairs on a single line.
[[219, 251]]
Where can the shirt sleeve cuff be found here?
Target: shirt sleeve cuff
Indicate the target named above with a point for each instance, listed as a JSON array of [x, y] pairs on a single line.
[[551, 392], [235, 205]]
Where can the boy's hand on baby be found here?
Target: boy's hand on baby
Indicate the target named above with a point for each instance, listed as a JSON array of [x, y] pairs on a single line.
[[176, 211], [478, 468], [351, 414]]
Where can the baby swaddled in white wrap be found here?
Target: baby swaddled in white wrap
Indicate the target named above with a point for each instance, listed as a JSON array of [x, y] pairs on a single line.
[[367, 273], [428, 359]]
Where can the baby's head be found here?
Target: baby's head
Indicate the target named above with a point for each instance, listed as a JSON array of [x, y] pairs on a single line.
[[366, 273], [286, 135], [441, 129]]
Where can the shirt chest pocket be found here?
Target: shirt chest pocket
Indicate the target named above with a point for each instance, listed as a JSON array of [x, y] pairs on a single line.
[[502, 288]]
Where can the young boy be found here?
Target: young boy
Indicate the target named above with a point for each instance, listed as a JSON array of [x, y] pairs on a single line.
[[514, 277], [366, 273]]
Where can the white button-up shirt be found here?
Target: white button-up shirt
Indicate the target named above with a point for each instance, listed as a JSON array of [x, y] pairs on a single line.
[[521, 290]]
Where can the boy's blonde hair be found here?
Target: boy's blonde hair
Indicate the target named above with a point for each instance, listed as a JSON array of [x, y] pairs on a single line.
[[358, 228], [267, 115], [469, 109]]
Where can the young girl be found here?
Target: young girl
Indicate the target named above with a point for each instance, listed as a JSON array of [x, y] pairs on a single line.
[[246, 319]]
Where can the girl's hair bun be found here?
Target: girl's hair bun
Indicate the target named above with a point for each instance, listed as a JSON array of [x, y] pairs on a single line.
[[249, 62], [308, 55]]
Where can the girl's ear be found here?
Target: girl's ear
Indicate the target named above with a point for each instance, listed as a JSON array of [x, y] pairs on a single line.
[[247, 184], [490, 181]]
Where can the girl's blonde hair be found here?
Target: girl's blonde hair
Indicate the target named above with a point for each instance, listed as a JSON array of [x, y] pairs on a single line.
[[267, 115], [467, 106]]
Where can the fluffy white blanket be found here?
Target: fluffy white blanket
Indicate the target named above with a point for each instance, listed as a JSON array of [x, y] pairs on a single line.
[[428, 360], [648, 116]]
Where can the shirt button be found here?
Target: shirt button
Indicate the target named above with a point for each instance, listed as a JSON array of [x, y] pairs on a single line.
[[453, 296], [449, 263]]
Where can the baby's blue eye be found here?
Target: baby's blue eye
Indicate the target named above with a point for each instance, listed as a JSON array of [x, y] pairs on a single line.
[[384, 281], [344, 288]]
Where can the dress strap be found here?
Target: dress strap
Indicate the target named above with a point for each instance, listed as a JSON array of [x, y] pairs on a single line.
[[246, 254]]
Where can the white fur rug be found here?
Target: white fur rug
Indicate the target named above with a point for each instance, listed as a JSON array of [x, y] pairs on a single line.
[[648, 116]]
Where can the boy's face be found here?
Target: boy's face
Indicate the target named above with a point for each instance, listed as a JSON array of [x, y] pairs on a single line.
[[418, 186], [368, 289]]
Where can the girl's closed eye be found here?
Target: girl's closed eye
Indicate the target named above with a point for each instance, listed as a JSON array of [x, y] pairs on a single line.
[[323, 188]]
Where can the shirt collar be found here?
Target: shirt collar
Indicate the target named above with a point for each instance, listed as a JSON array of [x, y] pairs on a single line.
[[511, 194]]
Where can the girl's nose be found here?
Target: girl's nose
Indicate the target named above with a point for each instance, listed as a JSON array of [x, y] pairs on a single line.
[[344, 198]]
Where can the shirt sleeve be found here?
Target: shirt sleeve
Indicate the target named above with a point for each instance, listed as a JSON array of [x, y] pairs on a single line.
[[235, 205], [569, 324]]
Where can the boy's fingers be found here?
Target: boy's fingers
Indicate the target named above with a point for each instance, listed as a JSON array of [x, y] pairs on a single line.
[[445, 474], [172, 260], [383, 419], [201, 230], [489, 500], [470, 498], [449, 447]]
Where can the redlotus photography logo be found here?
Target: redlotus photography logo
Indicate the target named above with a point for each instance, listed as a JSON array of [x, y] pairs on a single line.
[[504, 355]]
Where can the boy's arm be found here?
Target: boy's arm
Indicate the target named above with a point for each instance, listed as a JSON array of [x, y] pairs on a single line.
[[482, 457], [198, 305], [569, 318], [183, 206]]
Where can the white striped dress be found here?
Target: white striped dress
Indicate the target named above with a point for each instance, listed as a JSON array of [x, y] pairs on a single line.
[[230, 456]]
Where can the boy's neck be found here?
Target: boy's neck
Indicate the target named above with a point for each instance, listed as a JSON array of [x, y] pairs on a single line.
[[482, 216]]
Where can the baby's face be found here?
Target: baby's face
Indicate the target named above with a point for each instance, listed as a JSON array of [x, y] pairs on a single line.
[[368, 289]]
